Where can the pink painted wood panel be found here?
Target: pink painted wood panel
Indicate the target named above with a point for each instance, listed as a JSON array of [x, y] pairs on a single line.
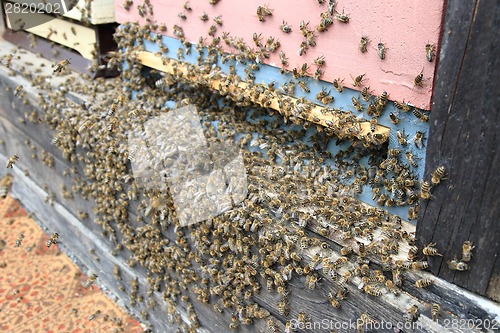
[[405, 27]]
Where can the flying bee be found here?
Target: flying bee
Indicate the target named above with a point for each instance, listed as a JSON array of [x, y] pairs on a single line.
[[90, 281], [285, 27], [429, 51], [400, 135], [467, 248], [357, 80], [394, 118], [52, 239], [437, 175], [422, 283], [304, 87], [60, 66], [457, 265], [381, 50], [319, 61], [18, 90], [357, 105], [337, 84], [363, 44], [422, 117], [418, 79], [11, 161], [365, 94], [435, 308], [94, 315], [19, 240]]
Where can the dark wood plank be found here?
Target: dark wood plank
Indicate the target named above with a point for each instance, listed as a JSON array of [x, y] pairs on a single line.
[[463, 138]]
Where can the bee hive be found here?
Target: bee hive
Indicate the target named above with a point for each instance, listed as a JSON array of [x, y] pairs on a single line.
[[312, 241]]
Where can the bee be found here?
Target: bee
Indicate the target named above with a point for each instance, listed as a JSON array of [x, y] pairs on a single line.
[[318, 73], [333, 301], [204, 17], [60, 66], [331, 6], [457, 265], [425, 190], [186, 5], [357, 80], [344, 18], [372, 290], [392, 287], [435, 308], [361, 249], [285, 27], [411, 159], [322, 94], [283, 59], [422, 283], [11, 161], [94, 315], [381, 50], [400, 135], [357, 105], [437, 175], [311, 281], [90, 281], [319, 61], [18, 90], [262, 12], [467, 248], [52, 239], [302, 317], [304, 87], [19, 240], [429, 52], [422, 117], [418, 79], [396, 277], [418, 140], [419, 265], [412, 253], [363, 44], [365, 94], [337, 84], [373, 124], [346, 250], [218, 20], [394, 118], [283, 308], [412, 314]]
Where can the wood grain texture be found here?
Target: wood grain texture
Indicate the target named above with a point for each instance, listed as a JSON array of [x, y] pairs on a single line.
[[464, 139]]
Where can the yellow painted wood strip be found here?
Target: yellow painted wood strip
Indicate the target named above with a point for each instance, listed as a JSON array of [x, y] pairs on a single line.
[[343, 124]]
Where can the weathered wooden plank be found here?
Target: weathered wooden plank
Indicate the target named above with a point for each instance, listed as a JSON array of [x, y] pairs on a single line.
[[465, 206]]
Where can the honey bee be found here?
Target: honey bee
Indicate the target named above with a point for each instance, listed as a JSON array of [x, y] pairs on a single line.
[[435, 308], [19, 240], [396, 277], [418, 140], [333, 301], [331, 6], [304, 87], [283, 307], [401, 136], [319, 61], [365, 94], [204, 17], [419, 265], [412, 253], [411, 159], [311, 281], [344, 18], [467, 248], [437, 175], [60, 66], [90, 281], [94, 315], [412, 314], [52, 239], [429, 52], [5, 185], [317, 74], [418, 79], [394, 118], [303, 317], [363, 44], [346, 250], [283, 59], [357, 80], [337, 84], [425, 190], [262, 12], [11, 161], [357, 105], [422, 117], [392, 287], [373, 124], [18, 90], [422, 283], [187, 6], [372, 290], [381, 51], [285, 27], [457, 265]]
